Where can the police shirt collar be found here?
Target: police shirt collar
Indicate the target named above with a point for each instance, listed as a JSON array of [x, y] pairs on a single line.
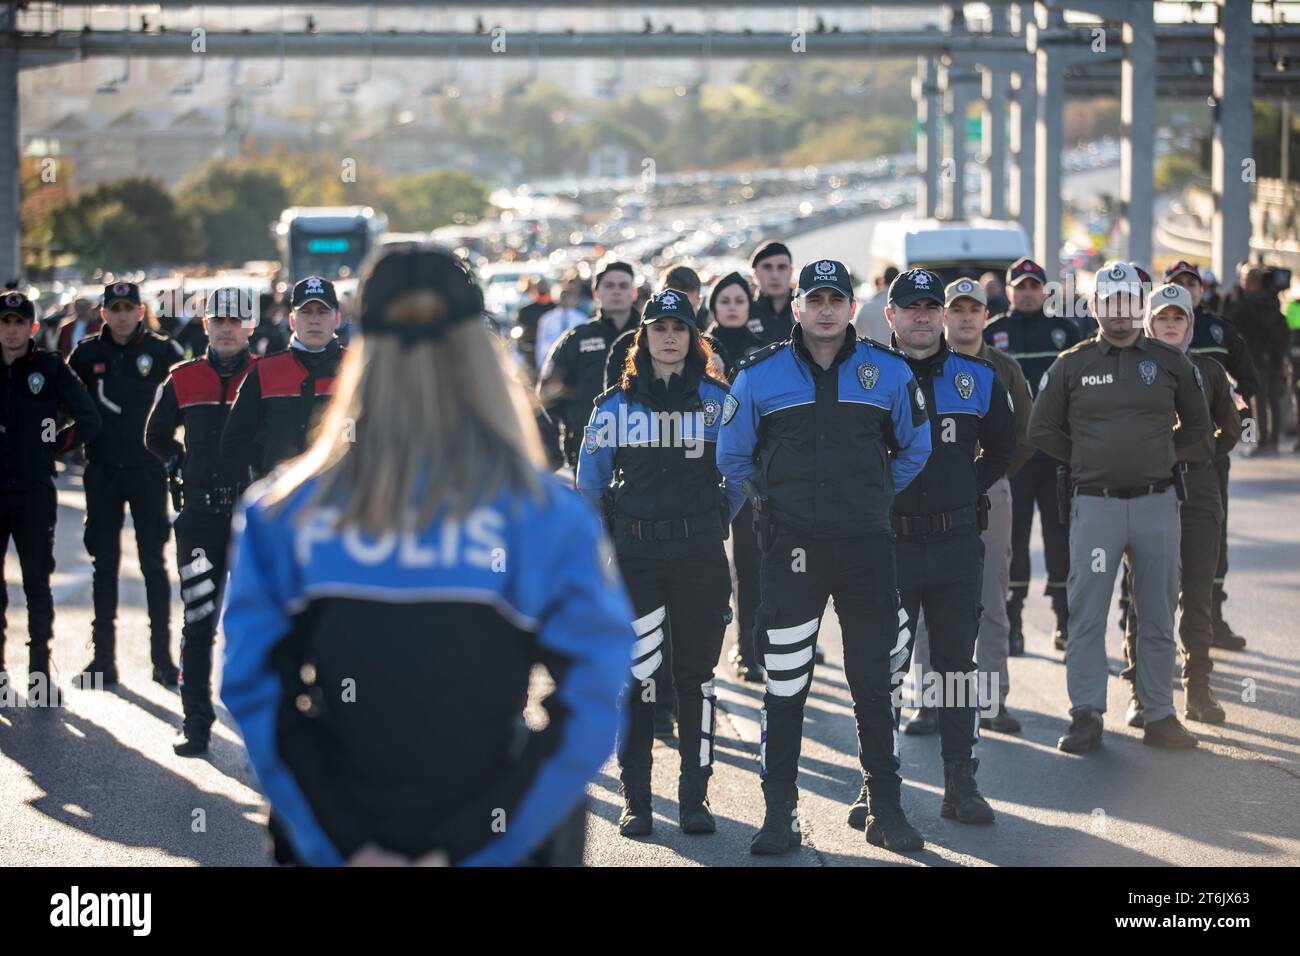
[[1106, 346], [846, 349], [633, 320], [106, 334], [933, 362]]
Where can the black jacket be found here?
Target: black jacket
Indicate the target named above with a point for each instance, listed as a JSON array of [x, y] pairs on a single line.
[[189, 335], [1218, 338], [767, 324], [278, 402], [124, 380], [1034, 339], [1259, 319], [198, 396], [35, 391], [734, 344]]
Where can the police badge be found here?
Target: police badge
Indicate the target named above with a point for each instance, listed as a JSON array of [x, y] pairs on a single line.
[[1058, 337], [824, 268], [729, 407], [1216, 333], [13, 300], [711, 410], [144, 363], [965, 383], [1147, 369], [868, 375], [920, 398], [35, 382], [591, 439]]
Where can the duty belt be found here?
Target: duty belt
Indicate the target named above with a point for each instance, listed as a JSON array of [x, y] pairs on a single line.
[[1137, 492], [218, 499], [670, 528], [910, 525]]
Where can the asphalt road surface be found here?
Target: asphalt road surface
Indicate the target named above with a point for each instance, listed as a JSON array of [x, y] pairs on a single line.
[[94, 782]]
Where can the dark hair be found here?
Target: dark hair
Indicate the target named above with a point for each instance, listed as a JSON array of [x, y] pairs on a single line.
[[682, 279], [638, 357]]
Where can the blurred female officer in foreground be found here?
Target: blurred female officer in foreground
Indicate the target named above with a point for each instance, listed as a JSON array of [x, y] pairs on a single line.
[[392, 588], [656, 433]]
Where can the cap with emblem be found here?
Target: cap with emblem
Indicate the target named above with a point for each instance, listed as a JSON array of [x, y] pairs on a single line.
[[1025, 268], [669, 304], [15, 303], [1170, 294], [915, 285], [1182, 267], [1116, 277], [965, 289], [825, 274], [417, 291], [314, 289], [229, 303], [121, 292]]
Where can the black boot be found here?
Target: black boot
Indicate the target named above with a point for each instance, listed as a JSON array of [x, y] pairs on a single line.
[[102, 669], [1016, 636], [859, 809], [1060, 637], [923, 723], [693, 804], [780, 831], [637, 818], [886, 823], [1168, 732], [1225, 638], [961, 798], [1084, 734], [38, 661], [191, 743], [165, 672], [1002, 722], [1199, 705]]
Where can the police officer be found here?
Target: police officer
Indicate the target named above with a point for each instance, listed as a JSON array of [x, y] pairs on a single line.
[[820, 432], [729, 303], [772, 316], [282, 395], [1034, 339], [36, 389], [937, 522], [1169, 319], [198, 396], [965, 315], [574, 371], [1219, 339], [123, 366], [1108, 407], [391, 592], [681, 279], [654, 437]]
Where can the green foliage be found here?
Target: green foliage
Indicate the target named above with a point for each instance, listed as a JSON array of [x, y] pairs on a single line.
[[121, 225], [231, 204], [424, 201]]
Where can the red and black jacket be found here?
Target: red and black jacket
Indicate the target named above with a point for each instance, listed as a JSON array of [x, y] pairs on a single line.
[[36, 392], [279, 401], [199, 396]]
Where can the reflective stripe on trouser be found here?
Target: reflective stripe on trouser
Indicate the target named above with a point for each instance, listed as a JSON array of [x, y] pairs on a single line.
[[943, 576], [1100, 531], [685, 602], [202, 541], [799, 574], [991, 646]]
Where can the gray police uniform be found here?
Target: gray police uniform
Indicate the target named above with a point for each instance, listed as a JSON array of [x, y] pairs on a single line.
[[1110, 413]]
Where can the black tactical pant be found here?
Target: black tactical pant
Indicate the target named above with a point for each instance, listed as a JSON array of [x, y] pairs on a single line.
[[1266, 404], [28, 517], [202, 541], [943, 575], [799, 574], [1224, 467], [109, 490], [747, 560], [692, 595], [1035, 484]]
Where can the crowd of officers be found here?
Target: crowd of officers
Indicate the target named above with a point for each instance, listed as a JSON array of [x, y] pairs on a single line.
[[899, 477]]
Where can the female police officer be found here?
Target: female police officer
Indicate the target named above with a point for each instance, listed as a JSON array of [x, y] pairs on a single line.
[[392, 588], [654, 436]]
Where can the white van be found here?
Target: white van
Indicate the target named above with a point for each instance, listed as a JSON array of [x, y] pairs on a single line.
[[953, 249]]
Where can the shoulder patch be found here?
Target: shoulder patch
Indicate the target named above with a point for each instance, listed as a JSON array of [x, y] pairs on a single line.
[[599, 399], [753, 358], [729, 408], [882, 346]]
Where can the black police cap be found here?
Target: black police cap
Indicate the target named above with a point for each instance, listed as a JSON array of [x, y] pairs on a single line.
[[230, 303], [13, 302], [314, 289], [915, 285], [417, 291], [1025, 268], [826, 274], [670, 304], [121, 292]]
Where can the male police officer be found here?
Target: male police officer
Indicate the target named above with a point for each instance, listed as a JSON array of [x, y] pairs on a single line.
[[1108, 407], [1219, 339], [122, 367], [1034, 339], [36, 387], [198, 395], [1170, 319], [771, 317], [965, 315], [937, 522], [574, 370], [830, 428], [282, 394]]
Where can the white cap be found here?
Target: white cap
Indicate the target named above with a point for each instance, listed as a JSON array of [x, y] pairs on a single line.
[[1115, 277], [1174, 295]]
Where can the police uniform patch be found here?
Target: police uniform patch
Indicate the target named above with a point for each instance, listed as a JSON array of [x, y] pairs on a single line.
[[711, 409], [1058, 337], [1042, 382], [591, 439], [1002, 341], [1200, 382], [1117, 272], [824, 268], [1216, 333], [144, 363], [121, 289], [729, 407], [1147, 370], [35, 382], [920, 398], [13, 300], [668, 298], [965, 286], [868, 375], [1171, 292], [314, 286], [965, 383]]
